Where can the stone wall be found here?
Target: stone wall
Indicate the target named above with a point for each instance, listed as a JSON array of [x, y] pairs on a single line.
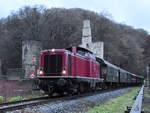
[[30, 49], [97, 48]]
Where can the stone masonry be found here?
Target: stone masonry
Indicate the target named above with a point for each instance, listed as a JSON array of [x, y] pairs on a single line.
[[30, 49], [15, 73], [96, 47]]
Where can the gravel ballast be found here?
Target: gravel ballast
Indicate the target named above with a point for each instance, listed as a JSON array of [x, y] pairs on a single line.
[[75, 105]]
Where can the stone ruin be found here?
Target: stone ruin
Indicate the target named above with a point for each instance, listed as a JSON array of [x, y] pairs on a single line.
[[30, 49], [96, 47]]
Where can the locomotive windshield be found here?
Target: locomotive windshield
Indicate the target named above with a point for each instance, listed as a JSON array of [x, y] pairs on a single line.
[[53, 63]]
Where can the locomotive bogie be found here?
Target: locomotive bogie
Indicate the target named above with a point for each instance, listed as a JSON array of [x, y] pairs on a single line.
[[68, 84]]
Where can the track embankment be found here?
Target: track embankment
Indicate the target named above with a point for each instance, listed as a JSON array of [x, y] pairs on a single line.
[[74, 104]]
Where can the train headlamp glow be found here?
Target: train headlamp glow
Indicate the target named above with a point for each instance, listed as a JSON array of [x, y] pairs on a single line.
[[41, 72], [53, 50], [64, 72]]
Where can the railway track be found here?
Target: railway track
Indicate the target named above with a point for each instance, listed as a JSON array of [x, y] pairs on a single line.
[[4, 107], [22, 104]]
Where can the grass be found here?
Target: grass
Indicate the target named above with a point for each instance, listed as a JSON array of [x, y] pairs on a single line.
[[116, 105], [1, 99], [18, 98], [14, 99], [32, 96]]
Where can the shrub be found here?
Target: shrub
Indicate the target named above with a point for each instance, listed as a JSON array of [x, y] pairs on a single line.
[[14, 99], [1, 98]]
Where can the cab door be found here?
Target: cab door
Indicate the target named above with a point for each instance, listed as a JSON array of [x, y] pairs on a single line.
[[69, 65]]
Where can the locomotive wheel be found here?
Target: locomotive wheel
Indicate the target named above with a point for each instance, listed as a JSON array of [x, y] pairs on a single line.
[[50, 91], [61, 93], [50, 94]]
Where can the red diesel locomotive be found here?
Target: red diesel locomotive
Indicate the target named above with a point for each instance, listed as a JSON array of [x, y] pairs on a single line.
[[73, 69]]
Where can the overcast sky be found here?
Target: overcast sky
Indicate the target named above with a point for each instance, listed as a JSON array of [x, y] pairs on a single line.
[[135, 13]]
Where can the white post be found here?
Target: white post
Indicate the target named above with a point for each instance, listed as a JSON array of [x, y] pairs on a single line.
[[147, 69]]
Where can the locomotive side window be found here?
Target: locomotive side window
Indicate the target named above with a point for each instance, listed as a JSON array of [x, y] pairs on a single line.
[[92, 56], [85, 52], [81, 52], [69, 49]]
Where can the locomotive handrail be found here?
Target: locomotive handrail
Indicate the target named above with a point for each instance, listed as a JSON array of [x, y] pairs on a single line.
[[137, 106]]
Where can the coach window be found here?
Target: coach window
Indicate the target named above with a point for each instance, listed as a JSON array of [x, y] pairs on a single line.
[[104, 70]]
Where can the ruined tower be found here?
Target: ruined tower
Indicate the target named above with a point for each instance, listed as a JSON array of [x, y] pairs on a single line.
[[30, 49], [96, 47]]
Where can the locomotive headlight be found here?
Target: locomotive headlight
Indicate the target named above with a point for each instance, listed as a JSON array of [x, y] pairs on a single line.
[[64, 72], [41, 72], [53, 50]]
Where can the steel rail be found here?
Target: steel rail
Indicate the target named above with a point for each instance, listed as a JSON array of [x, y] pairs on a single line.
[[18, 104]]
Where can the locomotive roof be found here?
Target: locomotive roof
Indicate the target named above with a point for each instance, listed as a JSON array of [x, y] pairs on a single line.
[[47, 50], [81, 48]]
